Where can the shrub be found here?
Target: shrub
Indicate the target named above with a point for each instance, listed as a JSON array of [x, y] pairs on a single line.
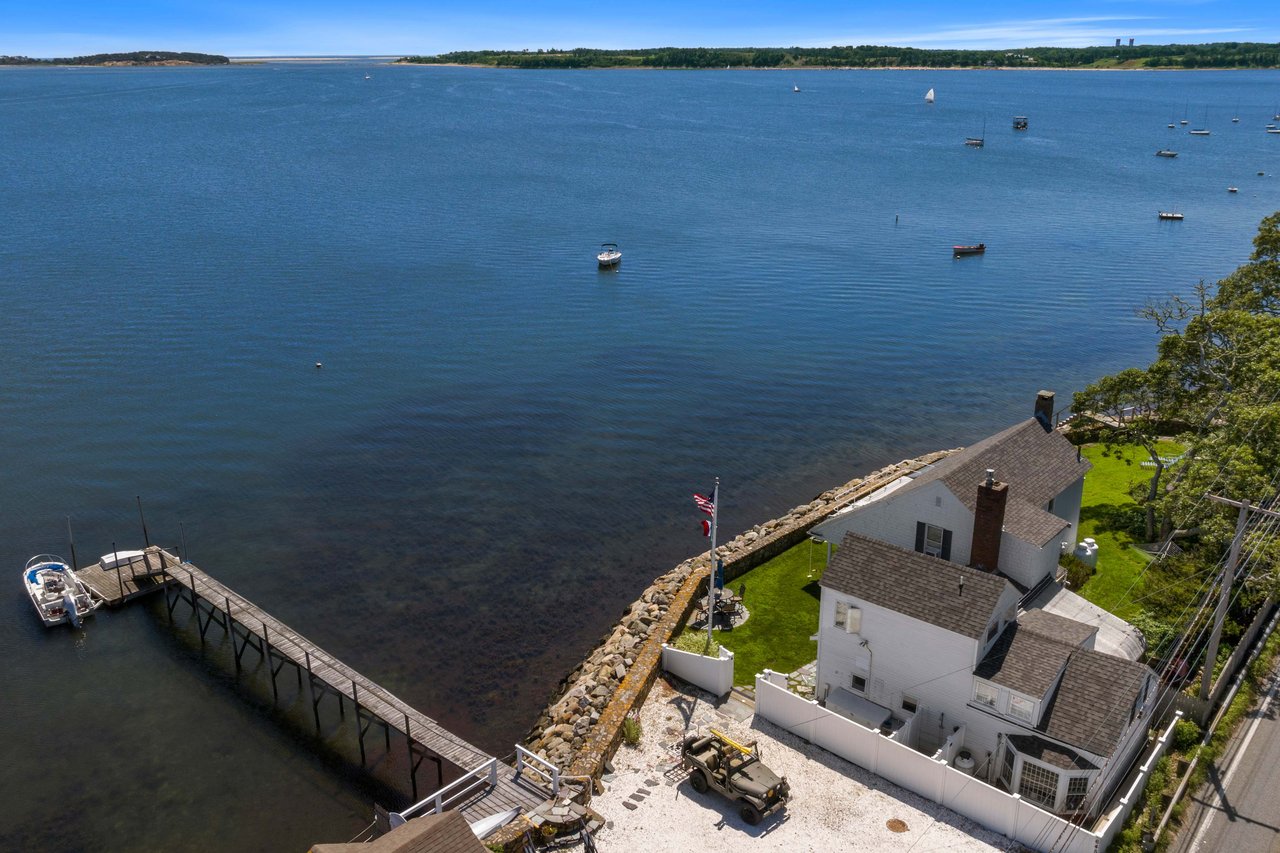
[[631, 729], [1186, 734], [696, 642], [1077, 570]]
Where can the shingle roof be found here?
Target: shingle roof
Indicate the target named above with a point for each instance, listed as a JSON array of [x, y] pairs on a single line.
[[1036, 464], [1056, 627], [1092, 705], [917, 585], [1050, 753], [1025, 661]]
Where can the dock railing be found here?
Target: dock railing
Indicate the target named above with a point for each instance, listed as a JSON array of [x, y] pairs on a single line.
[[485, 774], [526, 760]]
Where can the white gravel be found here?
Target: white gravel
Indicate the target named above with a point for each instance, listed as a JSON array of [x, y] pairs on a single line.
[[835, 805]]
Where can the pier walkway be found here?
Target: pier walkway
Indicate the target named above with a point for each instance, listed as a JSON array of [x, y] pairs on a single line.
[[494, 786]]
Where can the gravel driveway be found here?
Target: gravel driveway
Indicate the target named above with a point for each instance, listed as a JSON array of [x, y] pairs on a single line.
[[835, 805]]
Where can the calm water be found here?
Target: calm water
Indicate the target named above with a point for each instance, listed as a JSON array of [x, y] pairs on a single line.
[[499, 450]]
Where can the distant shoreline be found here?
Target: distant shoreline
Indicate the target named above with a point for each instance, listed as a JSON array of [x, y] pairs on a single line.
[[402, 63]]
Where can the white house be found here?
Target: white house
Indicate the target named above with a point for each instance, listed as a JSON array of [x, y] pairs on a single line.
[[1008, 504], [1017, 528], [913, 642]]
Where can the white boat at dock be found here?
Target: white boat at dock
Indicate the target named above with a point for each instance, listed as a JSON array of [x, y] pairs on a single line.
[[58, 595]]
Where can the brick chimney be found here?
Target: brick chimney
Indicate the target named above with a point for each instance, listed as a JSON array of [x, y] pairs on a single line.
[[988, 522], [1044, 410]]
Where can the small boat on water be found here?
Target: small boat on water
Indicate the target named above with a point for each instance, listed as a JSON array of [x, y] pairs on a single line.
[[978, 141], [609, 255], [1169, 214], [928, 97], [978, 249], [1019, 122], [1165, 152], [1199, 132], [1273, 130], [1233, 189], [58, 595], [795, 88]]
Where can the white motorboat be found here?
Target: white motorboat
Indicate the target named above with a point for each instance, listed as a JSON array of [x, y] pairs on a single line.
[[609, 255], [58, 595]]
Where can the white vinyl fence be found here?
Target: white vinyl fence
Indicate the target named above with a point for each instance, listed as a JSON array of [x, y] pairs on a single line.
[[968, 795], [714, 675]]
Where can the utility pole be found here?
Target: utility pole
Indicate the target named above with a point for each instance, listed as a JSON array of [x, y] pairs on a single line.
[[1228, 580]]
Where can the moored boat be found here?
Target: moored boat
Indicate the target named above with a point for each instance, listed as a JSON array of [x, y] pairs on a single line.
[[1169, 214], [55, 591], [1233, 189], [609, 255], [1199, 132], [977, 249], [1165, 152], [1019, 122]]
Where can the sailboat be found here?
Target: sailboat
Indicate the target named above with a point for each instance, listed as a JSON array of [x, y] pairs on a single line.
[[978, 141], [1184, 112], [1203, 130], [928, 97]]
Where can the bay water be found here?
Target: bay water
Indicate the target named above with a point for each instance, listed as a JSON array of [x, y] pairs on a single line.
[[498, 452]]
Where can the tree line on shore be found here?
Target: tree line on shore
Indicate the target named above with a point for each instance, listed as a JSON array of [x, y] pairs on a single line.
[[1216, 55], [137, 57], [1214, 388]]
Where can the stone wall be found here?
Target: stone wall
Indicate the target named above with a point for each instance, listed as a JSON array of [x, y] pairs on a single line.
[[581, 729]]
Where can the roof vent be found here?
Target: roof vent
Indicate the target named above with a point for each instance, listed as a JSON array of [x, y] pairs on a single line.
[[962, 584]]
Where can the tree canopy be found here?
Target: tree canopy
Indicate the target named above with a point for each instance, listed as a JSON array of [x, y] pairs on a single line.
[[1216, 55], [1215, 387]]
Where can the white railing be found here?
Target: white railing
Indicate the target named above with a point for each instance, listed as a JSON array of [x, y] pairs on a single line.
[[485, 774], [526, 760]]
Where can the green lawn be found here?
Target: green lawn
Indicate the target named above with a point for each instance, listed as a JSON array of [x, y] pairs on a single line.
[[1111, 516], [782, 597]]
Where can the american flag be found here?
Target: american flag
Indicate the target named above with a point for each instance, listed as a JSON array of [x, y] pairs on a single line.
[[706, 504]]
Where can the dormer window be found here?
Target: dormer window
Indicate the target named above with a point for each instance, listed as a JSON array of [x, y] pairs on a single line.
[[1022, 709], [985, 694]]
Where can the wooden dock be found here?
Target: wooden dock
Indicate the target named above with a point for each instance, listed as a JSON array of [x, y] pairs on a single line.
[[136, 579], [497, 787]]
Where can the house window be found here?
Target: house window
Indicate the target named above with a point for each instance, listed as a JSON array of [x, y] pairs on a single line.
[[933, 540], [909, 704], [1038, 784], [1006, 770], [1077, 788], [1023, 709], [848, 617], [985, 694], [859, 683]]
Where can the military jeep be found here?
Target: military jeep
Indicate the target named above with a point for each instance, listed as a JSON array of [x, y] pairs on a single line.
[[734, 770]]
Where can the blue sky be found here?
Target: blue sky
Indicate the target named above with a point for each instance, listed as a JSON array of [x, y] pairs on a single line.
[[311, 27]]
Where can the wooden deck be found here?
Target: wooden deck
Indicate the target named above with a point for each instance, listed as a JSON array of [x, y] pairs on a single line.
[[249, 626], [117, 586]]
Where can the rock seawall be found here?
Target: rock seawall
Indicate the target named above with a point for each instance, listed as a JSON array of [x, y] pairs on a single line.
[[581, 728]]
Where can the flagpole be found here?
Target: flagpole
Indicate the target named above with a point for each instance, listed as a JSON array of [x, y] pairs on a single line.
[[711, 578]]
